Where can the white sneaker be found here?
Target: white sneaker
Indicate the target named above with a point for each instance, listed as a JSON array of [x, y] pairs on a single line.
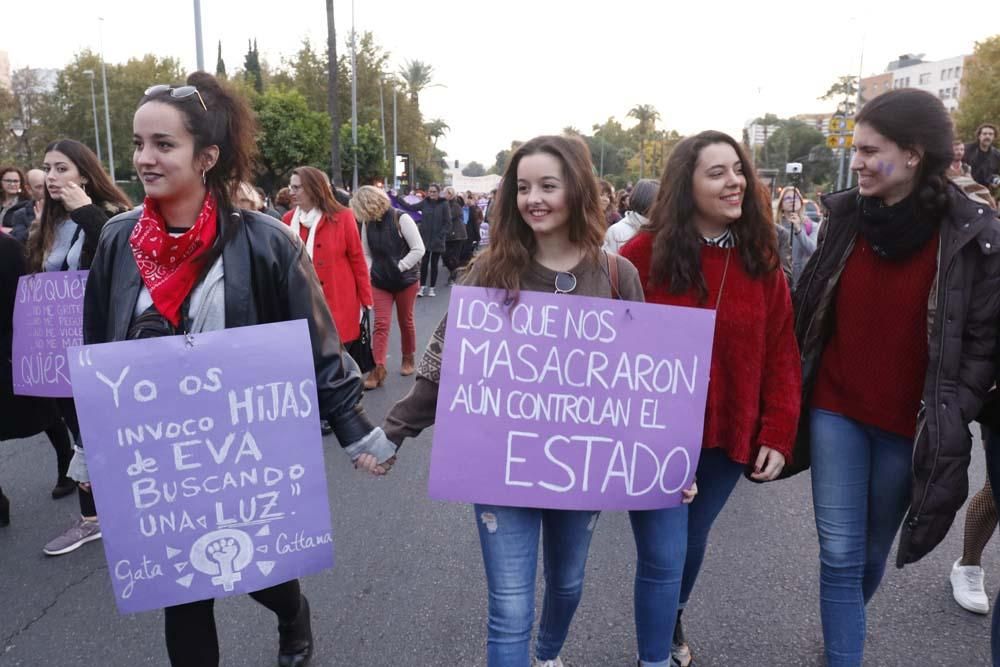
[[557, 662], [967, 588], [420, 292], [431, 292]]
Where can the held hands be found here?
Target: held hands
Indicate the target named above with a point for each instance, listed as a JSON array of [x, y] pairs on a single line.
[[374, 453], [74, 197], [768, 465]]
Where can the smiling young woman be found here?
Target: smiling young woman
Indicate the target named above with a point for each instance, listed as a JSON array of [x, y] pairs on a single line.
[[710, 243], [188, 261], [896, 316], [546, 236]]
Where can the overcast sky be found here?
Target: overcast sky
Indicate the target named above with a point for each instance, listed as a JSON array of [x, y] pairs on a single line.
[[514, 69]]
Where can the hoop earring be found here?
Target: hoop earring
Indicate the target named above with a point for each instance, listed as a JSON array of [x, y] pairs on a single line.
[[203, 180]]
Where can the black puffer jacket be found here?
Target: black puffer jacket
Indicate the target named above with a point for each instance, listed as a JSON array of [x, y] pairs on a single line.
[[963, 311], [435, 221], [268, 278]]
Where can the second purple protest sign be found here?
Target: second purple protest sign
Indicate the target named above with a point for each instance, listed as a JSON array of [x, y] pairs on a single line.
[[48, 319], [206, 459], [570, 402]]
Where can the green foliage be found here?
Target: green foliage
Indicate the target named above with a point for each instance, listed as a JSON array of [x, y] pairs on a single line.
[[251, 67], [417, 75], [291, 136], [795, 141], [291, 102], [220, 64], [474, 169], [981, 89], [845, 87], [371, 166]]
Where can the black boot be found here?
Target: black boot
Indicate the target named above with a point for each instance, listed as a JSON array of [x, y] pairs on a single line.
[[63, 487], [295, 640], [4, 510]]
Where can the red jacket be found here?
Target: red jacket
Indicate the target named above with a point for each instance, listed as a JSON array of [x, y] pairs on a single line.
[[755, 382], [340, 265]]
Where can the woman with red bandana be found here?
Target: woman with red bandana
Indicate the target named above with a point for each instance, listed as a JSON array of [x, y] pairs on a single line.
[[188, 261]]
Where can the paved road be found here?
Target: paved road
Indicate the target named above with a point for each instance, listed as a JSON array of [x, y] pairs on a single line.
[[408, 587]]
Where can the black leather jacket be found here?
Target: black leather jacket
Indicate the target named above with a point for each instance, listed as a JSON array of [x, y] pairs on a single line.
[[268, 278]]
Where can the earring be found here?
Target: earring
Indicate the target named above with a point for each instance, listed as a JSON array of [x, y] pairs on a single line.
[[203, 180]]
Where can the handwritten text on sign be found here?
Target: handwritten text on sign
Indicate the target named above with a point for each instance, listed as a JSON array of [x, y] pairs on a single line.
[[48, 319], [206, 459], [569, 402]]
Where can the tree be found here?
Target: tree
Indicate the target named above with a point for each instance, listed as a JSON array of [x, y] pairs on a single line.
[[251, 67], [220, 64], [371, 166], [436, 129], [647, 115], [846, 86], [418, 75], [474, 169], [331, 93], [290, 135], [981, 89]]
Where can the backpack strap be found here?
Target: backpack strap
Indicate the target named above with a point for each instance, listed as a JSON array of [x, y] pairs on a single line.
[[612, 261]]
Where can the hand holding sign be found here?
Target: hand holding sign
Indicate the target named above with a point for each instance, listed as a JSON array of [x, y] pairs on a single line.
[[569, 402], [207, 462]]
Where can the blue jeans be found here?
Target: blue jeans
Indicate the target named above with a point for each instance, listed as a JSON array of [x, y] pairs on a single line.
[[660, 545], [509, 539], [717, 476], [993, 470], [861, 489]]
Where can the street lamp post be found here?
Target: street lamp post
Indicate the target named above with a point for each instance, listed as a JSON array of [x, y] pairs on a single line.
[[107, 109], [16, 127], [354, 99], [89, 73], [200, 52]]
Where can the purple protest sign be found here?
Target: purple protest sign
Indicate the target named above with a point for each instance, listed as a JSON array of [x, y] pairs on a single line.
[[570, 402], [206, 459], [48, 319]]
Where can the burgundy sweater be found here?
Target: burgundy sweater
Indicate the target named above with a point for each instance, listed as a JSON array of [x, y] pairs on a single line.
[[755, 383], [873, 368]]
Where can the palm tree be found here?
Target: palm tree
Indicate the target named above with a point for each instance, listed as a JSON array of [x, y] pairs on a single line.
[[647, 115], [417, 75], [436, 129], [331, 95]]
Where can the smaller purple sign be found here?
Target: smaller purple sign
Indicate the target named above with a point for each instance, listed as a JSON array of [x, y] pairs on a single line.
[[48, 319], [207, 463], [570, 402]]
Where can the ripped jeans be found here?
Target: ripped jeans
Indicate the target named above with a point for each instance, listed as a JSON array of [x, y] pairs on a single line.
[[509, 538]]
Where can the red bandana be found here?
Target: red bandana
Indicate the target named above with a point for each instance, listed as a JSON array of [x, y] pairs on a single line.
[[167, 264]]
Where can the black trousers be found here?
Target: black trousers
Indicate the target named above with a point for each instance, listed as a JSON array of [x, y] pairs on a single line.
[[67, 408], [192, 639], [430, 259]]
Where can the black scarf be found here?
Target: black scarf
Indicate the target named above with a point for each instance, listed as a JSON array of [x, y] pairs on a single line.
[[895, 232]]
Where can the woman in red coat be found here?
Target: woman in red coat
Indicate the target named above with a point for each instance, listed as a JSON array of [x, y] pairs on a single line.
[[711, 243], [331, 236]]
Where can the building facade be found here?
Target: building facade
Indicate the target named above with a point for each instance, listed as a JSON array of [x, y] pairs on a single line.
[[941, 78]]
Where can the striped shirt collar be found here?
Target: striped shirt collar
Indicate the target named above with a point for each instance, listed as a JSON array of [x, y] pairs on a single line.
[[727, 240]]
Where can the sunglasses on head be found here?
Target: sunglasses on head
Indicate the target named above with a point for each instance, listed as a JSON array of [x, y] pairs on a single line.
[[180, 92], [565, 282]]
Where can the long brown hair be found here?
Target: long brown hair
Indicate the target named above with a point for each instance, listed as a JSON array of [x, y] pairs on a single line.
[[317, 188], [512, 242], [676, 258], [98, 186]]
